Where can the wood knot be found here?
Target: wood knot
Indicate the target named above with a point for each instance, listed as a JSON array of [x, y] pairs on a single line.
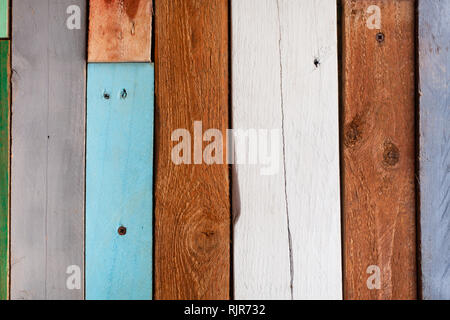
[[208, 233], [391, 154], [353, 132]]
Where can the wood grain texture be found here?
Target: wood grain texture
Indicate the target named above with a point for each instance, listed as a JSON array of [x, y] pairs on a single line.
[[4, 166], [120, 30], [287, 225], [48, 131], [434, 75], [119, 183], [379, 151], [192, 209], [4, 18]]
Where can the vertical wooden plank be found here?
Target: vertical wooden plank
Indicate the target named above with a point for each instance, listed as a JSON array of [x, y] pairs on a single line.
[[119, 181], [120, 30], [379, 149], [4, 167], [48, 121], [4, 18], [287, 227], [434, 75], [192, 209]]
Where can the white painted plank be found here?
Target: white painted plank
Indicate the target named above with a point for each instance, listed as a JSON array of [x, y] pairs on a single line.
[[48, 125], [287, 241]]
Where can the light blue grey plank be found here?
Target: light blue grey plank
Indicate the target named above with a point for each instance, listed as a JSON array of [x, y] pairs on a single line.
[[434, 73], [48, 121]]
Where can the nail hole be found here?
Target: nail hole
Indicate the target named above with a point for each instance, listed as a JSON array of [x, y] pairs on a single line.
[[123, 94], [106, 95], [316, 62], [122, 231], [380, 37]]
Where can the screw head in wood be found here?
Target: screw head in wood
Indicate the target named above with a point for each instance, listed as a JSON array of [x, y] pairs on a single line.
[[106, 95], [122, 231], [380, 37]]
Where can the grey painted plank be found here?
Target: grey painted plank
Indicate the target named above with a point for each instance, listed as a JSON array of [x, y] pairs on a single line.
[[48, 105], [434, 73]]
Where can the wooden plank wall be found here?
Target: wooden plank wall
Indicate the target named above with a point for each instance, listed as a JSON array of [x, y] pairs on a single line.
[[119, 165], [192, 209], [4, 18], [287, 218], [48, 121], [379, 149], [434, 79], [119, 159], [4, 166]]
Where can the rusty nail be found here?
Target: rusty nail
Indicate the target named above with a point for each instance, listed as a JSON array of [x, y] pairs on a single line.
[[122, 231]]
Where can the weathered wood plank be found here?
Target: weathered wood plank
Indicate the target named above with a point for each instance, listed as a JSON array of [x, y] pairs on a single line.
[[120, 30], [192, 209], [287, 223], [48, 124], [434, 75], [4, 18], [379, 149], [4, 166], [119, 165]]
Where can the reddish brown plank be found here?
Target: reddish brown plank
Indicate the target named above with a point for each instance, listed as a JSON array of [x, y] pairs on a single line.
[[119, 30], [379, 150], [192, 204]]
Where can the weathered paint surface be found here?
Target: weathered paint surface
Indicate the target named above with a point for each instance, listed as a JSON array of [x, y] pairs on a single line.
[[119, 163], [120, 30], [434, 75], [4, 167], [4, 18], [287, 223], [48, 134]]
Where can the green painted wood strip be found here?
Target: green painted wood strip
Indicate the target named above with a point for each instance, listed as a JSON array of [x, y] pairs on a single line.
[[4, 167], [4, 18]]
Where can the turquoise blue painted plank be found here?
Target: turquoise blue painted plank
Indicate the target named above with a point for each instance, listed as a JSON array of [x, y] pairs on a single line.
[[119, 165], [434, 114]]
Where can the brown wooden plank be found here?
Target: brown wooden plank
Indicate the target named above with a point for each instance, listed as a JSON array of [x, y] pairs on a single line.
[[192, 209], [119, 30], [379, 150]]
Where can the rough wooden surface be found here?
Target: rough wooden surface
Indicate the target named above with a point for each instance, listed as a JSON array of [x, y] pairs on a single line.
[[287, 242], [192, 210], [48, 125], [4, 18], [4, 166], [378, 151], [120, 30], [434, 75], [119, 165]]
